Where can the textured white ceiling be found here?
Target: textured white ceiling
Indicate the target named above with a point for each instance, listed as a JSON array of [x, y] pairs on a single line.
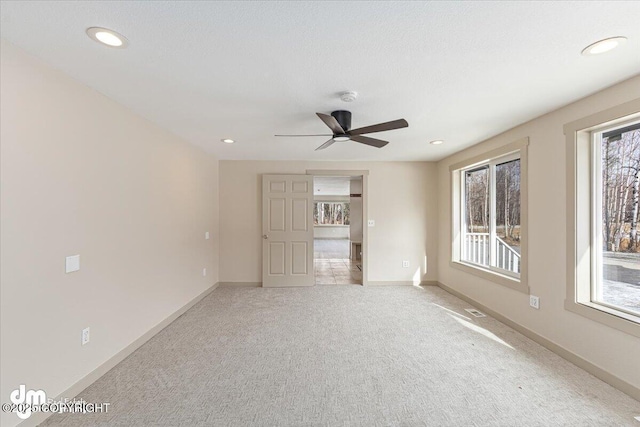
[[458, 71]]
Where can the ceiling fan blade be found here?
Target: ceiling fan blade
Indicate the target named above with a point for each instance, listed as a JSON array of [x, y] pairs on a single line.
[[332, 123], [323, 134], [380, 127], [369, 141], [326, 144]]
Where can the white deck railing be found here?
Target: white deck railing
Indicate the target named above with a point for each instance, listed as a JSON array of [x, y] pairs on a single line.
[[477, 250], [506, 257]]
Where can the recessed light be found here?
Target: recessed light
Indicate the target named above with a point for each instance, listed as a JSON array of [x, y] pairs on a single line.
[[227, 141], [107, 37], [603, 46], [437, 142]]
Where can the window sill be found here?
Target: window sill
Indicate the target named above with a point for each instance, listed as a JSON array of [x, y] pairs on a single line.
[[492, 276], [608, 316], [331, 225]]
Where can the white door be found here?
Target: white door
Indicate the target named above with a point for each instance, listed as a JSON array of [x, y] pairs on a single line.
[[287, 230]]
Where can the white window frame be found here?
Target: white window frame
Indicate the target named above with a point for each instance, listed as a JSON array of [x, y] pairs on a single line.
[[583, 215], [596, 219], [515, 150], [492, 212]]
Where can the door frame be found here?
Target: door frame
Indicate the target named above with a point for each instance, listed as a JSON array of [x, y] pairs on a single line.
[[365, 215]]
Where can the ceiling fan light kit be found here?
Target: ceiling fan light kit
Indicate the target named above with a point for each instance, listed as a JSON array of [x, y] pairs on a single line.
[[340, 124]]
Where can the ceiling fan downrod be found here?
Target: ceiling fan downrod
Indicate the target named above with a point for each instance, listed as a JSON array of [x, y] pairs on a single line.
[[344, 119]]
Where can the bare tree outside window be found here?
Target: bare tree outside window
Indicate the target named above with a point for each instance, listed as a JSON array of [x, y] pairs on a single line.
[[330, 213], [508, 203], [619, 281], [492, 215], [477, 200]]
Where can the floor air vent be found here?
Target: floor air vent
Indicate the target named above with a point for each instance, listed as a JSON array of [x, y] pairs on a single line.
[[475, 312]]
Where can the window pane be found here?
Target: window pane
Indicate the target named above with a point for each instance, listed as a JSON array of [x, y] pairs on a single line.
[[508, 216], [315, 213], [619, 281], [477, 207], [330, 213], [346, 213]]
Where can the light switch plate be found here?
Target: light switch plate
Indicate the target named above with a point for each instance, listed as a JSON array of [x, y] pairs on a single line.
[[371, 223], [206, 235], [204, 272], [72, 263]]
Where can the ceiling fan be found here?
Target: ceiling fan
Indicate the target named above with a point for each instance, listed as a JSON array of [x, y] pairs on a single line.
[[340, 124]]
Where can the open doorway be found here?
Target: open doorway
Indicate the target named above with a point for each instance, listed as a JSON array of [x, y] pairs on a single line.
[[337, 217]]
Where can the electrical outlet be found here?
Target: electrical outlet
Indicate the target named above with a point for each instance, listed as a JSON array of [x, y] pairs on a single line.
[[405, 264], [86, 336], [534, 302], [371, 223], [206, 235], [204, 272]]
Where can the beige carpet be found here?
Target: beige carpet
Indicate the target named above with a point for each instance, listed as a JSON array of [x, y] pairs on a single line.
[[347, 356]]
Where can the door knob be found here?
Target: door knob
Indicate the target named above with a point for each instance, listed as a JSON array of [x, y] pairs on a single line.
[[265, 236]]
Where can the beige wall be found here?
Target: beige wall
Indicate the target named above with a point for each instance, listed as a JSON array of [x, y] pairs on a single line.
[[355, 211], [402, 201], [610, 349], [82, 174], [331, 232]]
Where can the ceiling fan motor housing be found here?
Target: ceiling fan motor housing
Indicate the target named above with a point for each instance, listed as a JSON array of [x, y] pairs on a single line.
[[344, 119]]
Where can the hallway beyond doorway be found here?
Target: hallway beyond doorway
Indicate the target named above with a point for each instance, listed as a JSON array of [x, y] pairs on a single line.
[[332, 263]]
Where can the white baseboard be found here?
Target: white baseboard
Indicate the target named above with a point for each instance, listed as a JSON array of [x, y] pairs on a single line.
[[430, 283], [370, 283], [401, 283], [390, 283], [240, 284], [594, 370], [76, 389]]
